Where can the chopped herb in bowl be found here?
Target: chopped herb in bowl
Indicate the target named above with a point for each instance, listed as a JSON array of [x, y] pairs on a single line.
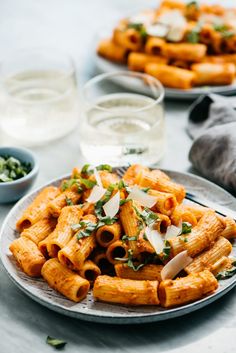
[[12, 169]]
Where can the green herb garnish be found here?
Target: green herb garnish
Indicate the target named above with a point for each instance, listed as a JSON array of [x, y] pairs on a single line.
[[56, 343], [192, 3], [139, 27], [186, 228], [87, 170], [12, 169], [145, 189], [87, 231], [220, 27], [228, 34], [67, 184], [130, 262], [69, 201], [89, 184], [126, 237], [166, 250], [122, 202], [147, 215], [193, 37], [227, 273]]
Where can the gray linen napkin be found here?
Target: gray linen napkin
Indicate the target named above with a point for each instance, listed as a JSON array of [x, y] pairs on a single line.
[[212, 125]]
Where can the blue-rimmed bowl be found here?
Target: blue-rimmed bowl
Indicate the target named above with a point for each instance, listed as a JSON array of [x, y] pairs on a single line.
[[13, 190]]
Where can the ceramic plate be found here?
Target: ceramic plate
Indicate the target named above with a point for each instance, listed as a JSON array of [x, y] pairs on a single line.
[[105, 66], [88, 309]]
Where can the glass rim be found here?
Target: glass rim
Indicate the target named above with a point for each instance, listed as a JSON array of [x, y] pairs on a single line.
[[105, 76], [43, 49]]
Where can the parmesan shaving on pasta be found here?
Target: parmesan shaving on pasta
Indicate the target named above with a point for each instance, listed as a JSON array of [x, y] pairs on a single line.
[[96, 194], [97, 177], [142, 197], [155, 239], [172, 232], [157, 30], [112, 206], [143, 17], [174, 266]]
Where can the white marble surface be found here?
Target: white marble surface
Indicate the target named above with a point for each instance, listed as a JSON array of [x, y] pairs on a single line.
[[24, 324]]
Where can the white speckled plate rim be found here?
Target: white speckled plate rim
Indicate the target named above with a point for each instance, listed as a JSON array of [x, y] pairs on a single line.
[[88, 309]]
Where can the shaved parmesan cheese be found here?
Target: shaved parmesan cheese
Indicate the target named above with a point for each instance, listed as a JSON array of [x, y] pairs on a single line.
[[112, 206], [155, 239], [176, 33], [97, 177], [157, 30], [142, 197], [143, 17], [96, 194], [174, 266], [171, 17], [172, 232]]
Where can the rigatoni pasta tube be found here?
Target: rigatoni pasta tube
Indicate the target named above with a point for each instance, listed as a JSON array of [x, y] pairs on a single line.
[[112, 51], [213, 74], [130, 222], [118, 249], [55, 206], [130, 174], [63, 231], [182, 214], [137, 61], [125, 291], [166, 202], [28, 256], [149, 179], [107, 234], [154, 46], [222, 247], [171, 76], [208, 229], [149, 272], [40, 230], [129, 39], [90, 271], [184, 51], [230, 230], [76, 251], [37, 209], [196, 210], [102, 262], [186, 289], [65, 281]]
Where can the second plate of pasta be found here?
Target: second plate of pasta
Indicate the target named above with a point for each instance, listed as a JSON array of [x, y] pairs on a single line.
[[90, 309]]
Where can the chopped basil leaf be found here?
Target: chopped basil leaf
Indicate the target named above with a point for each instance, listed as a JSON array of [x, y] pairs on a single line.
[[130, 262], [126, 237], [184, 239], [147, 216], [139, 27], [220, 27], [12, 169], [85, 170], [98, 208], [228, 34], [145, 189], [67, 184], [192, 3], [104, 167], [89, 184], [122, 202], [122, 184], [186, 228], [106, 220], [193, 37], [227, 273], [87, 231], [166, 250], [56, 343], [69, 201]]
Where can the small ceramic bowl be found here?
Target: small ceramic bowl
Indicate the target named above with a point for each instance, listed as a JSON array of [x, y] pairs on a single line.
[[13, 190]]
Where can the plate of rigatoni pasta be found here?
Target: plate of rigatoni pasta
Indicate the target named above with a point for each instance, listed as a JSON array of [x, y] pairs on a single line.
[[121, 245], [189, 46]]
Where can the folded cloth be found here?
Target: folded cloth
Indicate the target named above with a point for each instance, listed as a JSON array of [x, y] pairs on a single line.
[[212, 125]]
